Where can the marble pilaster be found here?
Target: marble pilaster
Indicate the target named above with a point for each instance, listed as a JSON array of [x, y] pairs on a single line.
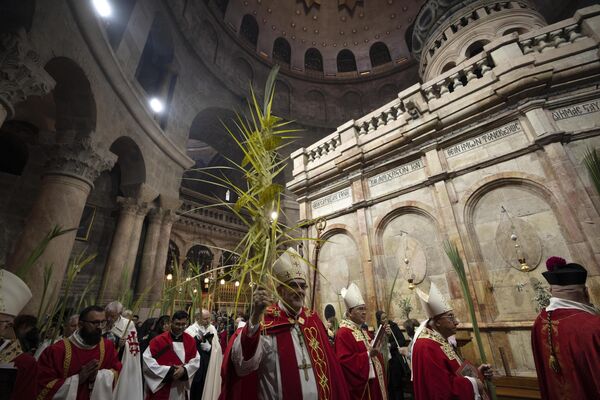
[[65, 186], [21, 74]]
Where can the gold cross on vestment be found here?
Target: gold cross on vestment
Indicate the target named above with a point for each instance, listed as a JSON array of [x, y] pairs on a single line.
[[305, 366]]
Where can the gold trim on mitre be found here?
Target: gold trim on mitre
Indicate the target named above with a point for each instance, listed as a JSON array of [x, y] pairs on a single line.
[[290, 265], [14, 293], [433, 303], [352, 296]]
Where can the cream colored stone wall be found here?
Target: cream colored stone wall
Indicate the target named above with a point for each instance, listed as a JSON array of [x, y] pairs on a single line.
[[499, 157]]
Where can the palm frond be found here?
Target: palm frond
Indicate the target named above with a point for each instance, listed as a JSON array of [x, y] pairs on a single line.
[[592, 164]]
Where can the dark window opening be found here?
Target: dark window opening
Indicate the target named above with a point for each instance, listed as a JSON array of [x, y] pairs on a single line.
[[249, 30], [282, 52], [313, 60], [346, 61], [379, 54]]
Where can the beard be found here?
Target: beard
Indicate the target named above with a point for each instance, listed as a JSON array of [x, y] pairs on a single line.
[[91, 338]]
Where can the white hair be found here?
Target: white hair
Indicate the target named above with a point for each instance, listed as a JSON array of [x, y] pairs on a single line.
[[114, 306]]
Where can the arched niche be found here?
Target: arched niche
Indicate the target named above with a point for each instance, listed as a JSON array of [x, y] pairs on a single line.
[[73, 98], [249, 30], [130, 162], [379, 54], [352, 105], [313, 60], [346, 62], [315, 106], [409, 245], [339, 265], [282, 51], [490, 214]]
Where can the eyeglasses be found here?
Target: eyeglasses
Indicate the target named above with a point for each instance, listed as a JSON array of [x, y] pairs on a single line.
[[451, 317], [99, 324]]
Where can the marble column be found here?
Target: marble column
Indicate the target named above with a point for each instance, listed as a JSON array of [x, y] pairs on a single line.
[[162, 251], [119, 255], [22, 74], [146, 276], [64, 189]]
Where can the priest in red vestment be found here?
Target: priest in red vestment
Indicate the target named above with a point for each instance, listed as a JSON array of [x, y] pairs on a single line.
[[566, 336], [362, 364], [83, 366], [170, 361], [436, 368], [283, 352]]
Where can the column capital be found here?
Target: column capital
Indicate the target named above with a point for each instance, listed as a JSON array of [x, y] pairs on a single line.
[[21, 71], [80, 159], [169, 217], [132, 206]]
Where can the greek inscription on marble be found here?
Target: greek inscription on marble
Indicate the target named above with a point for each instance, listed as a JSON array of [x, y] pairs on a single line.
[[332, 198], [396, 172], [483, 139], [577, 110]]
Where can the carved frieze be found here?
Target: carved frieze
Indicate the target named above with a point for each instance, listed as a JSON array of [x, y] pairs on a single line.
[[21, 74], [82, 159]]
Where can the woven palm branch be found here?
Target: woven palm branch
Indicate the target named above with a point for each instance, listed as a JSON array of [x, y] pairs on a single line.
[[260, 137], [457, 262]]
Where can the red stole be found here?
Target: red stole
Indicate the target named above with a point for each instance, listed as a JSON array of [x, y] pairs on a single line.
[[328, 375], [161, 348], [351, 351], [576, 342], [435, 366], [63, 359]]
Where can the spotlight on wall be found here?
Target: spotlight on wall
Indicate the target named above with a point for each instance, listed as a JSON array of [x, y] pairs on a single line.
[[156, 105], [103, 8]]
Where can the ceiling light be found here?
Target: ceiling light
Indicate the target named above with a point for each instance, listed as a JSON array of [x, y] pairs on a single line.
[[103, 8], [156, 105]]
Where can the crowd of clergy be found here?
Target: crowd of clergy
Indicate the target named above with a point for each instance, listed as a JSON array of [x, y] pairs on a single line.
[[283, 350]]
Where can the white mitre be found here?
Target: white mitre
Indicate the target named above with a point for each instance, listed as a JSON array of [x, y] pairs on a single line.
[[290, 265], [433, 303], [352, 296], [14, 293]]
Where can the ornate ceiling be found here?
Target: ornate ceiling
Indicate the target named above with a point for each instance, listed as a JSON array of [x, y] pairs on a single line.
[[332, 25]]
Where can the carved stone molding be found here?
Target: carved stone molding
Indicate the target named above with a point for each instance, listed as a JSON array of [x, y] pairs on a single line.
[[132, 206], [21, 74], [81, 159]]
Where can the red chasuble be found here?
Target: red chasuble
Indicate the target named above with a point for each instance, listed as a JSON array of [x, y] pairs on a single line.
[[576, 342], [25, 384], [434, 366], [351, 350], [64, 359], [161, 348], [328, 375]]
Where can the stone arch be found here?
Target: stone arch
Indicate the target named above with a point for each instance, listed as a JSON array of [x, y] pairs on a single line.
[[408, 245], [529, 203], [131, 163], [210, 40], [339, 265], [200, 256], [73, 98], [249, 30], [475, 48], [346, 62], [313, 60], [352, 106], [386, 93], [282, 51], [316, 106], [379, 54]]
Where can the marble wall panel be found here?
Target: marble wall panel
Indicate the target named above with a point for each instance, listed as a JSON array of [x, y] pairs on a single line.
[[339, 264], [512, 289]]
